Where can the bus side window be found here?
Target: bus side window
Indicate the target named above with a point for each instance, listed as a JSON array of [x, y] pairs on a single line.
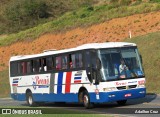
[[44, 65], [64, 62], [75, 60], [19, 68], [29, 67], [79, 62], [36, 65], [87, 59], [50, 63], [58, 63], [70, 61], [24, 68], [13, 68]]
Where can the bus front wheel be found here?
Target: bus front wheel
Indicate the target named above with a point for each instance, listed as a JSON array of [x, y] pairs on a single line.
[[86, 100], [30, 100]]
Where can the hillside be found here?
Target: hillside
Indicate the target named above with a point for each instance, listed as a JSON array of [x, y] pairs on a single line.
[[114, 30]]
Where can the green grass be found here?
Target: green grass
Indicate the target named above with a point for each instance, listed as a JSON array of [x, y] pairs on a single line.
[[83, 17], [4, 84], [149, 47]]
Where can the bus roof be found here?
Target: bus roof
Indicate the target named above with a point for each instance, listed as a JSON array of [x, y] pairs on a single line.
[[82, 47]]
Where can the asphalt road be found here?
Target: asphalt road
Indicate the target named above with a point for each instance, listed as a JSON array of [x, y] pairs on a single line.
[[151, 103]]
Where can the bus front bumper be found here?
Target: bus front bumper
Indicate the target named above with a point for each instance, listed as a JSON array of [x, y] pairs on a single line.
[[113, 96]]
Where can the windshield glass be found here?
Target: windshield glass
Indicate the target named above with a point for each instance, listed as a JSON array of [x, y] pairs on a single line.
[[120, 63]]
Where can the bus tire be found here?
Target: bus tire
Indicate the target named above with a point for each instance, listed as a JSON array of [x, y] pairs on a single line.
[[29, 99], [122, 102], [86, 100]]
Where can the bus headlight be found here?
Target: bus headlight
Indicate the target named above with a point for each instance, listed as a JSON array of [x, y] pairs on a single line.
[[141, 84], [110, 89]]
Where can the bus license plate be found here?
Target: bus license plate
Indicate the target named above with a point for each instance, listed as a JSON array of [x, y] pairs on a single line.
[[128, 95]]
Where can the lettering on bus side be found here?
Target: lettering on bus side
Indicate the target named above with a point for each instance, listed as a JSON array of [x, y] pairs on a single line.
[[120, 83], [41, 81]]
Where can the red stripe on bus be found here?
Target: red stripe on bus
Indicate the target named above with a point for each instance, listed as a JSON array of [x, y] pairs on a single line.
[[14, 84], [68, 82], [77, 81]]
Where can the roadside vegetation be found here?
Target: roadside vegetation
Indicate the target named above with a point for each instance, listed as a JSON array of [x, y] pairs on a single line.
[[86, 14], [4, 84], [18, 15]]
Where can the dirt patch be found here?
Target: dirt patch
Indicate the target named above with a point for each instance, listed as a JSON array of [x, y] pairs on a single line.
[[114, 30]]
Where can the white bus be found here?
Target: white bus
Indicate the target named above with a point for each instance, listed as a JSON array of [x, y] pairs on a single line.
[[88, 74]]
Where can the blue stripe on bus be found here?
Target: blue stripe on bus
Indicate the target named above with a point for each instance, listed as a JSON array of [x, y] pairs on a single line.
[[15, 81], [72, 97], [60, 80], [77, 78]]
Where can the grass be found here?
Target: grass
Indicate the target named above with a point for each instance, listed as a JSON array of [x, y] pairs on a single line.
[[83, 17], [149, 47], [4, 84]]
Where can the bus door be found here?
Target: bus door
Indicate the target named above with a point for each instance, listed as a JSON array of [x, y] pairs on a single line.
[[93, 66]]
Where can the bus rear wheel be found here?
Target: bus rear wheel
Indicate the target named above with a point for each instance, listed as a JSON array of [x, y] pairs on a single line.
[[122, 102], [86, 100], [29, 99]]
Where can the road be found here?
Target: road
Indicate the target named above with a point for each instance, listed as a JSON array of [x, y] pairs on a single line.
[[150, 102]]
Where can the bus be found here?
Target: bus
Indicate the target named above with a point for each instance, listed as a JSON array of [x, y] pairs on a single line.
[[89, 74]]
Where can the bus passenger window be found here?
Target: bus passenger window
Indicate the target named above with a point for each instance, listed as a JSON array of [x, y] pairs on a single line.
[[29, 67], [64, 62], [87, 59], [70, 62], [19, 68], [79, 61], [13, 68], [58, 63], [50, 63], [44, 65], [24, 68], [75, 60]]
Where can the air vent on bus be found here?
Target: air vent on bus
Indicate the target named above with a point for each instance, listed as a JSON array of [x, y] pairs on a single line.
[[127, 87], [121, 88], [132, 86]]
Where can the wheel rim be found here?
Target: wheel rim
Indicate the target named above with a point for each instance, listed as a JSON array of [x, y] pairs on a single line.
[[85, 100], [30, 101]]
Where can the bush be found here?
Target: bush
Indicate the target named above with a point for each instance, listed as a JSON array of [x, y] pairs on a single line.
[[23, 14]]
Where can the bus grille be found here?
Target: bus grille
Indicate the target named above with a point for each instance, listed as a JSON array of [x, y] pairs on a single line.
[[126, 87], [132, 86]]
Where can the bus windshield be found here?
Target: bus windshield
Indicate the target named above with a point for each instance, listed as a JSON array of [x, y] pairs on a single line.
[[120, 63]]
